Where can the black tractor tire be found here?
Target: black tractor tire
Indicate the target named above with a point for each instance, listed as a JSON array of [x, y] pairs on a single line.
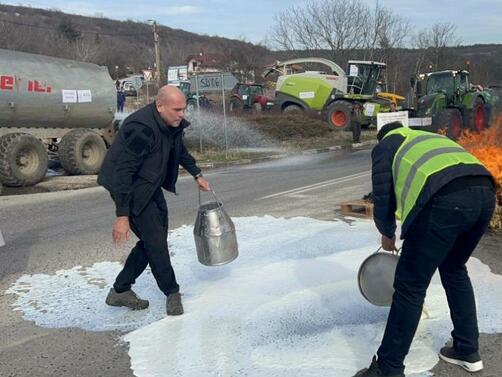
[[81, 151], [339, 115], [257, 108], [191, 107], [292, 109], [23, 160], [450, 122], [236, 106], [479, 115]]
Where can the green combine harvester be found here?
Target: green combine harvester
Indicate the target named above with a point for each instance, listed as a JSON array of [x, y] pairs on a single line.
[[333, 94]]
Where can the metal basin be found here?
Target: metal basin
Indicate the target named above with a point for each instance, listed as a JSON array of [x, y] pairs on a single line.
[[376, 278]]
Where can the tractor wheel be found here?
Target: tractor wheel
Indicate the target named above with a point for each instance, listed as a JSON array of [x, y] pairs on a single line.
[[191, 107], [23, 160], [339, 114], [478, 121], [257, 107], [81, 151], [450, 121], [235, 106], [289, 109]]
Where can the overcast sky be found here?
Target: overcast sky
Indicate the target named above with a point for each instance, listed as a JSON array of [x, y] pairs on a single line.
[[477, 21]]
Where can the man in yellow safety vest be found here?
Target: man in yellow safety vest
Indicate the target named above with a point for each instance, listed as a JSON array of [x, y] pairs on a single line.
[[444, 198]]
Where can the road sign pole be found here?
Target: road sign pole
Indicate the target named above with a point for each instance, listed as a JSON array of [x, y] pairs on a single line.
[[224, 115], [198, 112]]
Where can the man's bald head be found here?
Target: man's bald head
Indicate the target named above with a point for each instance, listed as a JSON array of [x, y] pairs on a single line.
[[171, 105]]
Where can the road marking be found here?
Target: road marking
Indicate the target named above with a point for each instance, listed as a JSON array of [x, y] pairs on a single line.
[[317, 185]]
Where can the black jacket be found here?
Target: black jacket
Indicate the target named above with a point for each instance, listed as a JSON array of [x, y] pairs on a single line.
[[144, 156], [384, 199]]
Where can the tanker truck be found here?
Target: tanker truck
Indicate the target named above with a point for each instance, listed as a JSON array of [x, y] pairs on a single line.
[[53, 106]]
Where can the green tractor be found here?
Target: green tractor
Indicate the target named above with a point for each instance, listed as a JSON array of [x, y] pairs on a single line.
[[332, 94], [446, 102], [191, 97]]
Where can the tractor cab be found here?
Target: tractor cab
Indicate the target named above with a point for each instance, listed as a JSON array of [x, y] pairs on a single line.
[[453, 84], [364, 77], [245, 96]]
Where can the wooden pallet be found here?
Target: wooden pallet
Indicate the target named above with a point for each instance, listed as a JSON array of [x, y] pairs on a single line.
[[357, 208]]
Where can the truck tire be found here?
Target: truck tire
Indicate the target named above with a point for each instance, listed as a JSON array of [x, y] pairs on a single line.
[[339, 114], [23, 160], [81, 151], [479, 118], [450, 122]]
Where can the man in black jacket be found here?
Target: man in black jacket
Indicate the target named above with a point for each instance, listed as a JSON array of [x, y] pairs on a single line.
[[445, 199], [143, 159]]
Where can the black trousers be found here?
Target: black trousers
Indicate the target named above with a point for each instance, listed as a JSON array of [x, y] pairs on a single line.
[[356, 132], [443, 237], [150, 226]]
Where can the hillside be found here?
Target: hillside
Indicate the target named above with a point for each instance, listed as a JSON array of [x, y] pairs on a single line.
[[126, 44], [129, 46]]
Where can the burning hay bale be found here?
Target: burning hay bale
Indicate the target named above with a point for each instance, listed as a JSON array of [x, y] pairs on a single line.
[[487, 147]]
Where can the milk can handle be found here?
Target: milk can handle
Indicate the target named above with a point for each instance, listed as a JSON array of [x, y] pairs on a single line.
[[393, 252], [215, 197]]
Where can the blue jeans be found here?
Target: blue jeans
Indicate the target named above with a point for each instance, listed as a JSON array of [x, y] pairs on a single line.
[[443, 237]]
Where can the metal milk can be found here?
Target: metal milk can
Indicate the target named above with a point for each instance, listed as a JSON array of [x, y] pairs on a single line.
[[214, 233]]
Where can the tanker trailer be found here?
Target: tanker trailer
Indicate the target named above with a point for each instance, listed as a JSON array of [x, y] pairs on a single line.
[[52, 105]]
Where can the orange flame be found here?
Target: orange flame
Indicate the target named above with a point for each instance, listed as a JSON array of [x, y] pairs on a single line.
[[487, 147]]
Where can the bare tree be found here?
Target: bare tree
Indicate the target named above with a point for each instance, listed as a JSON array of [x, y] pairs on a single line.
[[433, 44], [338, 26]]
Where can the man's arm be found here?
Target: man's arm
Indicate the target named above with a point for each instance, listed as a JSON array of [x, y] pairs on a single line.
[[189, 164], [137, 140], [384, 199]]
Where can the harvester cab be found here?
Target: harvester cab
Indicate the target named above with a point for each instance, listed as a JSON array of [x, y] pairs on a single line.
[[364, 77]]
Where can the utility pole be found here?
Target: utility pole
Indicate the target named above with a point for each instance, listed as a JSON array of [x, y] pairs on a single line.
[[158, 71]]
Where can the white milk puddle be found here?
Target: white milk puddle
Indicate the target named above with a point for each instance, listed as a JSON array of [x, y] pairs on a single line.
[[288, 306]]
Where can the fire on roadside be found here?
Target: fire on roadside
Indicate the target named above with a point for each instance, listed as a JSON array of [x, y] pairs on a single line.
[[487, 147]]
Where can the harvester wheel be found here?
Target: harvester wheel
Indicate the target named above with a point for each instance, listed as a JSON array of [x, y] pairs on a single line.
[[339, 114], [81, 151], [23, 160], [478, 121], [450, 120], [292, 109]]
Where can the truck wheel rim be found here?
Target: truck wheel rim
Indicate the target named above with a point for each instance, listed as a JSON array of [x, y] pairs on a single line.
[[27, 161], [479, 119], [90, 153], [338, 118]]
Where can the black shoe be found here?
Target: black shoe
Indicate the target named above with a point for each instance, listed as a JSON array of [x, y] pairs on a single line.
[[374, 371], [471, 363]]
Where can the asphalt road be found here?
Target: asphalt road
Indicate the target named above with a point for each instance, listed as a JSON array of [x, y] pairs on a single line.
[[52, 231]]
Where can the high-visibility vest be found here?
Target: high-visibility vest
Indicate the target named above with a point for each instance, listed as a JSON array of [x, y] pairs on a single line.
[[421, 155]]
